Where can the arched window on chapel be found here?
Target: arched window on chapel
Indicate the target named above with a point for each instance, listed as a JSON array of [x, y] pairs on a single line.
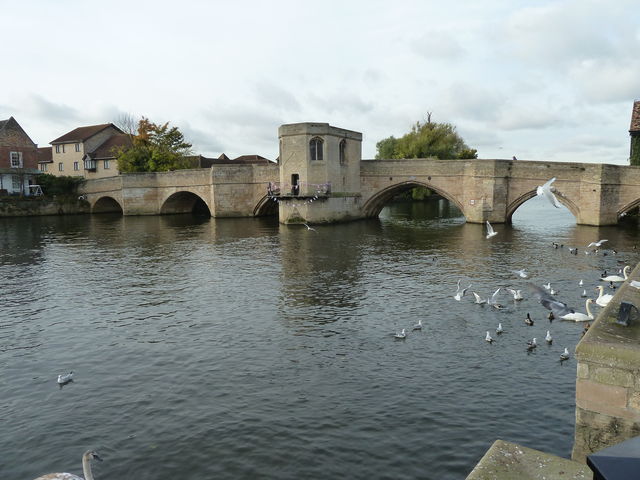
[[315, 148], [343, 152]]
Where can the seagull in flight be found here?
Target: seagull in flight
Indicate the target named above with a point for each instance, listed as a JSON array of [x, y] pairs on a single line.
[[517, 294], [546, 191], [309, 228], [522, 273], [557, 307], [460, 292], [490, 231], [596, 244]]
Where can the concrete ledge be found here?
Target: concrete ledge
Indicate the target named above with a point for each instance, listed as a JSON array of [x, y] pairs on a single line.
[[505, 460]]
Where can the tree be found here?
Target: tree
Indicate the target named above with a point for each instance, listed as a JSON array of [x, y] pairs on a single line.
[[156, 148], [427, 139]]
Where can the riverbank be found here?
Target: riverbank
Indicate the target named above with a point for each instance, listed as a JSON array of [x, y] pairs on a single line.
[[41, 206]]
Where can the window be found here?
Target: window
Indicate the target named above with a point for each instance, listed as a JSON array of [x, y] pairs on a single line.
[[77, 147], [343, 152], [106, 164], [16, 183], [60, 167], [43, 167], [57, 148], [63, 148], [76, 166], [16, 159], [315, 147]]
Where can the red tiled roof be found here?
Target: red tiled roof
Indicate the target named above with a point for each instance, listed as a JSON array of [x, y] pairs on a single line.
[[45, 155], [106, 149], [81, 134], [635, 117], [250, 159]]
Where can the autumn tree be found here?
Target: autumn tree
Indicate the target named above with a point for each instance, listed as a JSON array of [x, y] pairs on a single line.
[[155, 148], [426, 139]]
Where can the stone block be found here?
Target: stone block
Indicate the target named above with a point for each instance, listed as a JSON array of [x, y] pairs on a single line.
[[613, 376], [583, 370]]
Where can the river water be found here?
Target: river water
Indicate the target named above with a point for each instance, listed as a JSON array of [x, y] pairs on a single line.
[[242, 349]]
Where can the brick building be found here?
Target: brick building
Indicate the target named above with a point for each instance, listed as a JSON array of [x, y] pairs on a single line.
[[18, 159]]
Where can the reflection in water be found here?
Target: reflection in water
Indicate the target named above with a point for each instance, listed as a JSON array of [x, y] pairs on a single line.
[[269, 347]]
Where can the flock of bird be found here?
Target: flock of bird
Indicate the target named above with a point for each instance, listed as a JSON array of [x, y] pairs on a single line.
[[545, 294]]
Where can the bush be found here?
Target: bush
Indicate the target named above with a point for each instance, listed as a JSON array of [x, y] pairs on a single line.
[[63, 185]]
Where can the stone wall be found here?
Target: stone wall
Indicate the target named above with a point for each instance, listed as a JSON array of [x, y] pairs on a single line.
[[608, 378], [16, 207]]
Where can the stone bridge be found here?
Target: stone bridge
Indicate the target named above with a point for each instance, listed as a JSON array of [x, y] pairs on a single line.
[[323, 179]]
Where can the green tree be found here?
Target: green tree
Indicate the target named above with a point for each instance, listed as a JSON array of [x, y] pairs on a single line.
[[427, 139], [155, 148]]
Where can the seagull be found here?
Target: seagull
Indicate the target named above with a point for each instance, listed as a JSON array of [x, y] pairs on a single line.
[[596, 244], [548, 338], [584, 293], [549, 302], [579, 316], [418, 326], [517, 294], [522, 273], [309, 228], [564, 355], [480, 300], [531, 344], [604, 298], [460, 292], [580, 283], [553, 292], [547, 286], [490, 231], [573, 251], [499, 330], [65, 378], [400, 335], [546, 191], [617, 278], [528, 320], [488, 337], [493, 300]]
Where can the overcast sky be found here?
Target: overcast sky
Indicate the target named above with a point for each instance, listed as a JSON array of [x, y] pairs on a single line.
[[542, 80]]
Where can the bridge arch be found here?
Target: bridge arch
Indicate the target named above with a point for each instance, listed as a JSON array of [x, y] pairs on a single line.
[[513, 206], [107, 205], [374, 205], [267, 206], [628, 208], [185, 202]]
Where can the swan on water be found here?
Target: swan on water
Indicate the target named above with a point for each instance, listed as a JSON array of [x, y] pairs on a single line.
[[603, 298], [617, 278], [488, 338], [546, 191], [401, 335], [65, 378], [86, 469], [548, 338], [418, 326], [490, 231], [578, 316], [565, 355]]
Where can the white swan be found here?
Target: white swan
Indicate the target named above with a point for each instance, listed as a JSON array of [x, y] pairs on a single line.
[[565, 355], [65, 378], [488, 338], [617, 278], [86, 468], [604, 298], [579, 316], [490, 231], [548, 338]]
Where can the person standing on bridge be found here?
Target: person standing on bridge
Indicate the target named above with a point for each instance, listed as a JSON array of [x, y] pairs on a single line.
[[514, 157]]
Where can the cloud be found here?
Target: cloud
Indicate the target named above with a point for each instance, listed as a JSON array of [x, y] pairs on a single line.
[[608, 80], [436, 44], [201, 140], [531, 118], [271, 94], [52, 112]]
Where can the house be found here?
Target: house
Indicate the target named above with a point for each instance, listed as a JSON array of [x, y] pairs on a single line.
[[87, 152], [18, 159]]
